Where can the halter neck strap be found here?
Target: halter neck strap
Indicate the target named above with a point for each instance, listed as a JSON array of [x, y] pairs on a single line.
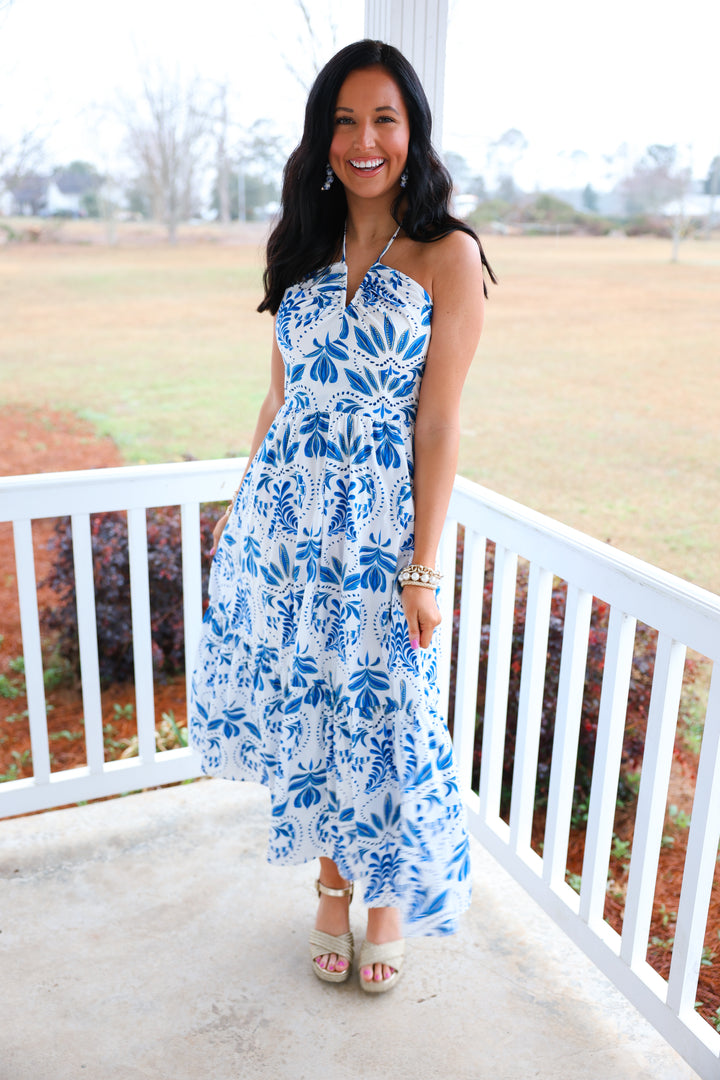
[[385, 249], [382, 253]]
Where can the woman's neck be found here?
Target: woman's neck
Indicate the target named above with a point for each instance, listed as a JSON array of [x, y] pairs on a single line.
[[369, 221]]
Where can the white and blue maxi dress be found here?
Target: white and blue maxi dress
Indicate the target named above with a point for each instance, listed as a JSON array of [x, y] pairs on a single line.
[[305, 679]]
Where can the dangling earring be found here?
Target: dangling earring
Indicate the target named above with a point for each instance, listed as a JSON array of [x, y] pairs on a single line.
[[403, 179], [329, 177]]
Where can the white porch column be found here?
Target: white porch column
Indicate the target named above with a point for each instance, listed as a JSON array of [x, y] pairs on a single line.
[[418, 28]]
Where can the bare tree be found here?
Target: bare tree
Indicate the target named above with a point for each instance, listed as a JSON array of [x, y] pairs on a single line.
[[167, 139], [221, 156], [22, 155], [657, 182], [260, 156], [20, 161], [5, 7], [712, 188], [503, 155], [576, 162], [230, 140], [618, 165], [313, 46]]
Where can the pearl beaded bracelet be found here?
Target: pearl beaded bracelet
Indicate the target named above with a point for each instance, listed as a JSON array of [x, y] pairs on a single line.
[[423, 576]]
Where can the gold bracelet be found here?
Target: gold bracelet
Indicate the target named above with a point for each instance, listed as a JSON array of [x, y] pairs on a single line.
[[420, 585], [414, 574]]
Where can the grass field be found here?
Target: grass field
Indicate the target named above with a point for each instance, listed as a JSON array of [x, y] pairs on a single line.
[[594, 397]]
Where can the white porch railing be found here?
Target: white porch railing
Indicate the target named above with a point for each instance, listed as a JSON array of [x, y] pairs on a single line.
[[684, 616]]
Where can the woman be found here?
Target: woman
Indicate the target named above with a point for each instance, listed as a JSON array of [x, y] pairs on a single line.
[[317, 666]]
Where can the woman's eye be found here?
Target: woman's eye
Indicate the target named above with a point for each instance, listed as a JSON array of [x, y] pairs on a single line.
[[343, 120]]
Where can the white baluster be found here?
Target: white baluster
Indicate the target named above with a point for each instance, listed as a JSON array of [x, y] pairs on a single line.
[[88, 642]]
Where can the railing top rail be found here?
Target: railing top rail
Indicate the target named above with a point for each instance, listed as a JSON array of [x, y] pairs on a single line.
[[664, 601], [659, 598], [57, 494], [517, 513]]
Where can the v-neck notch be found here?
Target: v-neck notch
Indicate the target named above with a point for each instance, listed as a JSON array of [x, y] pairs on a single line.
[[378, 262]]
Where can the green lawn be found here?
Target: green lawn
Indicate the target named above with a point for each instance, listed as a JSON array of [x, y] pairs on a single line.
[[594, 397]]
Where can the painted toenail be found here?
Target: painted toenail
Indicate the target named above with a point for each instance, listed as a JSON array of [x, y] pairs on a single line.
[[366, 973]]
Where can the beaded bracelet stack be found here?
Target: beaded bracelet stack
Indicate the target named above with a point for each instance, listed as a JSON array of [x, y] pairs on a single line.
[[423, 576]]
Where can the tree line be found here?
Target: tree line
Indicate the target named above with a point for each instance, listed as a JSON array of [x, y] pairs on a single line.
[[651, 191], [188, 156], [185, 156]]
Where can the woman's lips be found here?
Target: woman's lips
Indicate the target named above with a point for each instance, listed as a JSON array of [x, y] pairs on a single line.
[[366, 169]]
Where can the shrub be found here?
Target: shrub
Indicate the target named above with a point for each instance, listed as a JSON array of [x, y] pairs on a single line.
[[489, 210], [540, 214], [112, 592], [638, 701], [649, 225], [548, 209]]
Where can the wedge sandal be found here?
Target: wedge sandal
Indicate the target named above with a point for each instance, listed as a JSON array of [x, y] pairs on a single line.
[[340, 944], [391, 953]]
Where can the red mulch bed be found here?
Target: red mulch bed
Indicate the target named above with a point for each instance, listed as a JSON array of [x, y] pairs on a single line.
[[35, 441]]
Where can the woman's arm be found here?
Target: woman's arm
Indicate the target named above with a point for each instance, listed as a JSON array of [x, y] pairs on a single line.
[[458, 307], [268, 411], [273, 400]]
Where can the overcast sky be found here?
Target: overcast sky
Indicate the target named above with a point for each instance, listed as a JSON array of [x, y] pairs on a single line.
[[570, 75]]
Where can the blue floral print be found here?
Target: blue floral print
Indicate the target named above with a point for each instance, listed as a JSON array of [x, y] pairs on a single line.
[[305, 679]]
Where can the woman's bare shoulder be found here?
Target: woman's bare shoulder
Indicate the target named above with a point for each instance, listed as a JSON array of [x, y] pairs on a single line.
[[438, 261], [454, 263], [457, 246]]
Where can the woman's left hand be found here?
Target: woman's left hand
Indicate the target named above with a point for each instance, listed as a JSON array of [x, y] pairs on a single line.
[[421, 612]]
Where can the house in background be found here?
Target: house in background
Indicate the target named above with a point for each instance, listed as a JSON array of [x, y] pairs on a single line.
[[27, 194], [65, 192], [696, 204]]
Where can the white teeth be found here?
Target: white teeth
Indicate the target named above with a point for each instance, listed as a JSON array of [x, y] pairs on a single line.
[[369, 164]]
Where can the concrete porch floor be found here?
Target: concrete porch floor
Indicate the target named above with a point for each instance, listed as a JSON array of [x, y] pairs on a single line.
[[145, 938]]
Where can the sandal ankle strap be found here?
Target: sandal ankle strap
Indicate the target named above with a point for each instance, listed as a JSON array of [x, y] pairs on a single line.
[[324, 890]]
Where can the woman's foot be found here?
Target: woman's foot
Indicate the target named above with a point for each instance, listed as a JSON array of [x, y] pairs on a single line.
[[332, 915], [383, 926]]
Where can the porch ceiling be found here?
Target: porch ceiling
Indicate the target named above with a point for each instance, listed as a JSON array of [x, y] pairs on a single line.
[[146, 938]]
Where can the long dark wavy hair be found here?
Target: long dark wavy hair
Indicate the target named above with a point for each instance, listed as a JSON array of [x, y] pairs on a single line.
[[308, 235]]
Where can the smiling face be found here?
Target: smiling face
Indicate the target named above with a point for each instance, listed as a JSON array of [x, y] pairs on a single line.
[[369, 148]]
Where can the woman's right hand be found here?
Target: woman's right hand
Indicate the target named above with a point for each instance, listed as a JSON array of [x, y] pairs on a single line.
[[421, 612], [218, 531]]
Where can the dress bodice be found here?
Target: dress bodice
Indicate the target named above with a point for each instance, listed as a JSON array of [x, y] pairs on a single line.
[[366, 355]]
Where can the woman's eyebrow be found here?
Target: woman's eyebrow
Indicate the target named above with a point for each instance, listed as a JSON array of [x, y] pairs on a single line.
[[379, 108]]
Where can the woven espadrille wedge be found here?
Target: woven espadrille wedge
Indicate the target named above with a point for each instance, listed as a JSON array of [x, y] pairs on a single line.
[[391, 953], [340, 944]]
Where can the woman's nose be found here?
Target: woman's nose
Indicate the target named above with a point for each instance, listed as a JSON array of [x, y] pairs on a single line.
[[365, 135]]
